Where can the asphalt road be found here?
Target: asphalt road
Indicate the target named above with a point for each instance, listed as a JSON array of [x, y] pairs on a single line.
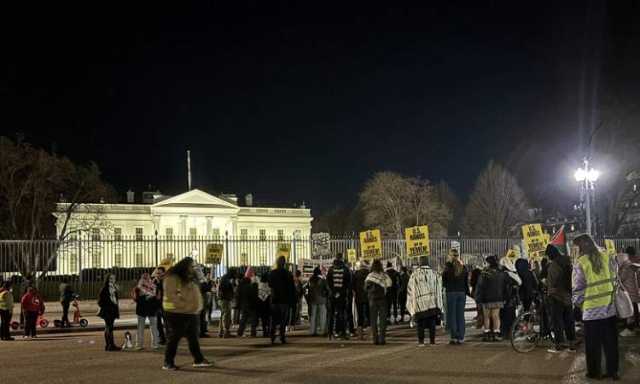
[[79, 358]]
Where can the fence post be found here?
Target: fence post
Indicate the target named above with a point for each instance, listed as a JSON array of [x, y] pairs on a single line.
[[226, 248], [156, 242], [80, 260]]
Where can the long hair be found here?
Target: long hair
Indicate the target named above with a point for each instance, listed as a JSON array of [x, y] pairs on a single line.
[[589, 248], [458, 266], [182, 269], [377, 266]]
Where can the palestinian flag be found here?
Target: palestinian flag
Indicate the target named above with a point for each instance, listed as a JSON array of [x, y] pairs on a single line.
[[559, 239]]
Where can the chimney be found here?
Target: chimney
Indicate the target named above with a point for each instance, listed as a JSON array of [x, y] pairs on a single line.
[[131, 196], [248, 200]]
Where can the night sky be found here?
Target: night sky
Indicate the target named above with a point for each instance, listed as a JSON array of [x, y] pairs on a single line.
[[304, 102]]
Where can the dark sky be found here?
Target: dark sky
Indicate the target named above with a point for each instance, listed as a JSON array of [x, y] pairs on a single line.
[[297, 101]]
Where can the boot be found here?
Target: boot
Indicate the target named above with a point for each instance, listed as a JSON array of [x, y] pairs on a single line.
[[486, 337]]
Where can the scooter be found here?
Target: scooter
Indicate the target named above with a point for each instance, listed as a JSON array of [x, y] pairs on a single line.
[[42, 322], [77, 317]]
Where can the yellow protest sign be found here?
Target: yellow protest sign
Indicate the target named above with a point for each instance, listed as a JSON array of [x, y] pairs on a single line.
[[533, 238], [417, 239], [610, 246], [371, 244], [284, 249], [214, 253], [352, 256]]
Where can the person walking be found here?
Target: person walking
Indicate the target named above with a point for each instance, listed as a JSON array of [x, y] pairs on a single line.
[[629, 272], [109, 310], [490, 295], [147, 304], [226, 293], [455, 280], [594, 278], [319, 293], [361, 299], [247, 299], [282, 298], [182, 305], [392, 293], [559, 299], [66, 297], [339, 280], [377, 283], [403, 282], [424, 301], [6, 310], [264, 304]]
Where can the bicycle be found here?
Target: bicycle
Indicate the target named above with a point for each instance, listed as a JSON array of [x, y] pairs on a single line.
[[527, 331]]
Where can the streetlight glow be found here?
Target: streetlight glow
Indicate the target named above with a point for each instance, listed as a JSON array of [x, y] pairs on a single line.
[[592, 175], [580, 174]]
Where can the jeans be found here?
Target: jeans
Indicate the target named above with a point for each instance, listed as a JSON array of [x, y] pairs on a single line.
[[455, 314], [562, 321], [5, 319], [318, 316], [30, 319], [601, 335], [181, 325], [264, 313], [428, 322], [153, 325], [379, 316], [248, 315], [279, 318], [363, 313], [225, 317], [402, 302], [203, 321], [507, 318]]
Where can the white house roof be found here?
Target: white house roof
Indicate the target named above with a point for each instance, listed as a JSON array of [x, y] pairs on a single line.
[[195, 198]]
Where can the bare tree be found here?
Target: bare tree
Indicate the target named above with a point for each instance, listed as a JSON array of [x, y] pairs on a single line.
[[393, 202], [497, 204], [32, 183]]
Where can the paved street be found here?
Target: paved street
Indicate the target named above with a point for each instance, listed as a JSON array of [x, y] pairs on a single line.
[[79, 358]]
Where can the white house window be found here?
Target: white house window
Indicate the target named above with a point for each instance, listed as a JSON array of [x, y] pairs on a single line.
[[117, 234], [168, 232], [280, 234], [139, 234], [263, 234], [244, 234], [95, 234], [117, 260], [193, 232]]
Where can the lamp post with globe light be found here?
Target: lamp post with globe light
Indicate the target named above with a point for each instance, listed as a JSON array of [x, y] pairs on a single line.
[[587, 177]]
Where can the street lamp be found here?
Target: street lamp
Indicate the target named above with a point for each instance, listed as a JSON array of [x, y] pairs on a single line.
[[587, 177]]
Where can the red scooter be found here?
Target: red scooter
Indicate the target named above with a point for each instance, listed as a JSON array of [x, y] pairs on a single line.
[[77, 317]]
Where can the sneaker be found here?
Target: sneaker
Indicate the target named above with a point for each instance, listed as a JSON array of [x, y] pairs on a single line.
[[627, 333], [203, 364], [169, 367], [555, 349], [421, 345], [460, 341], [137, 349]]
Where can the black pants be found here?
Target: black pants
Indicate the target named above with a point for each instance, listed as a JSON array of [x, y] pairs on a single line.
[[65, 313], [248, 316], [362, 307], [264, 313], [349, 312], [181, 325], [428, 322], [30, 319], [636, 318], [507, 318], [378, 320], [339, 309], [5, 319], [402, 302], [599, 335], [203, 322], [279, 314], [108, 333], [562, 321], [392, 302], [161, 322]]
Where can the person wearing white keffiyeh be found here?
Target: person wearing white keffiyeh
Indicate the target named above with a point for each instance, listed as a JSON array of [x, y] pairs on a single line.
[[424, 300]]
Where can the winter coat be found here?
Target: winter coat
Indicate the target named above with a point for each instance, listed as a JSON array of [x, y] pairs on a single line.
[[247, 296], [339, 279], [529, 288], [181, 297], [492, 286], [394, 276], [282, 287], [453, 283], [359, 286], [66, 293], [558, 281], [630, 277], [403, 282], [377, 285], [318, 291], [32, 302], [424, 293], [108, 309], [226, 288]]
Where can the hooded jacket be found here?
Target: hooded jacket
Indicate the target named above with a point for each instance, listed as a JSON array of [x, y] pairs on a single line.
[[629, 273], [283, 291], [424, 292], [492, 286], [318, 291], [180, 297], [32, 302], [377, 285], [529, 285], [359, 284], [559, 277], [247, 295], [339, 279]]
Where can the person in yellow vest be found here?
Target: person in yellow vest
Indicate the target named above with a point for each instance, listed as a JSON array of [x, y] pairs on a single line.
[[182, 303], [593, 289], [6, 310]]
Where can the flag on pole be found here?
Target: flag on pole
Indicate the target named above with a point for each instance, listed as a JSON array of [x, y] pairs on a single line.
[[559, 240]]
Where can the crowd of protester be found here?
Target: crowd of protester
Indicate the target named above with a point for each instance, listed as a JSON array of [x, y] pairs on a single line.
[[346, 301]]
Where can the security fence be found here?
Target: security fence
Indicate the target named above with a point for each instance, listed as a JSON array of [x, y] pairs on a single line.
[[83, 261]]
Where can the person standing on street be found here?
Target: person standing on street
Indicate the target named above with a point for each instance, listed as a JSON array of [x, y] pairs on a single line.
[[455, 280], [182, 305], [360, 293], [392, 294], [282, 298], [296, 309], [424, 300], [318, 295], [6, 310], [226, 294], [630, 278], [593, 289], [147, 304], [264, 304], [158, 276], [376, 284], [339, 280], [247, 299], [66, 297], [559, 299], [491, 290], [109, 310], [403, 282]]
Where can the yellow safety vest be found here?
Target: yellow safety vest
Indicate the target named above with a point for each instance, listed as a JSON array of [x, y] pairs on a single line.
[[599, 287]]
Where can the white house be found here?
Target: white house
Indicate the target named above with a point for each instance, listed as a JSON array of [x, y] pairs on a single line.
[[128, 233]]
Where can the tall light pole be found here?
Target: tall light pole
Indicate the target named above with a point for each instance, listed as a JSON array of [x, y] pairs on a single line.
[[587, 176]]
